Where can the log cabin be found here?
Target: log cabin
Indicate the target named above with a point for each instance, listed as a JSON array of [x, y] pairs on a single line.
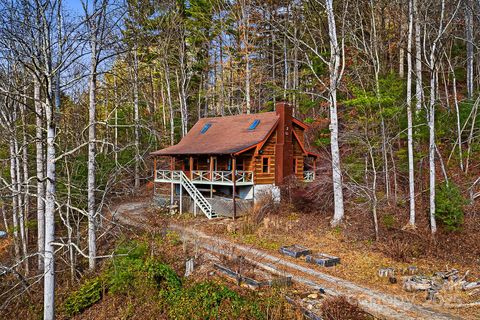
[[234, 158]]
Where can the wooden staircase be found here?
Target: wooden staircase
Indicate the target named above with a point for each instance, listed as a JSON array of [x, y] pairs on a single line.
[[197, 197]]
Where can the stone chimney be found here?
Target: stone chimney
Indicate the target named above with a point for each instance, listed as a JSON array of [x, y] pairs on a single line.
[[284, 146]]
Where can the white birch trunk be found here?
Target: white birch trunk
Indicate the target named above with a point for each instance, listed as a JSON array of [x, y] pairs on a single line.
[[49, 263], [15, 204], [431, 148], [418, 58], [469, 38], [26, 183], [91, 184], [4, 215], [40, 163], [137, 118], [411, 167], [21, 216], [170, 106], [334, 78]]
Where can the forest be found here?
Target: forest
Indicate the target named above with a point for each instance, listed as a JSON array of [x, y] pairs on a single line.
[[89, 88]]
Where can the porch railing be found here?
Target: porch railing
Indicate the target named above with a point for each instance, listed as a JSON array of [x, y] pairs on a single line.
[[308, 176], [207, 177]]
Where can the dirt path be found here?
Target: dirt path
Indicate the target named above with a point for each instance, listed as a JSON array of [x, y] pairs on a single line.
[[382, 305]]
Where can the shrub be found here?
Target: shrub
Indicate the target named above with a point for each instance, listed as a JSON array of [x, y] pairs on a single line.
[[449, 206], [163, 277], [122, 273], [388, 221], [339, 308], [402, 248], [89, 293], [205, 300], [135, 270]]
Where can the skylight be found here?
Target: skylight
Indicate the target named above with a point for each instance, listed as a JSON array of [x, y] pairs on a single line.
[[254, 124], [205, 128]]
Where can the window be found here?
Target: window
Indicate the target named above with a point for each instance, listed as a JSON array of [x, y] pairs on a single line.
[[254, 124], [205, 128], [265, 164]]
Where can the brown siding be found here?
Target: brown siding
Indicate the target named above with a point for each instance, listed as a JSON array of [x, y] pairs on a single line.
[[268, 150], [300, 133], [299, 171]]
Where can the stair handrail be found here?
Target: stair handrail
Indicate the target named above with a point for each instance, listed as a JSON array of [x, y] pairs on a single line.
[[196, 195]]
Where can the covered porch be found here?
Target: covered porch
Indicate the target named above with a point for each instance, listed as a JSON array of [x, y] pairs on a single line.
[[200, 169]]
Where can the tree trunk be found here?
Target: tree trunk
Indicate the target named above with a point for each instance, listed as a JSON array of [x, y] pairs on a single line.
[[137, 118], [4, 215], [334, 78], [49, 263], [170, 106], [411, 166], [418, 58], [40, 163], [469, 38], [91, 184], [15, 204]]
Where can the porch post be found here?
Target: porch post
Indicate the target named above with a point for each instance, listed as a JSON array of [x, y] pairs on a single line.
[[211, 177], [191, 167], [314, 167], [154, 174], [181, 199], [172, 167], [234, 179]]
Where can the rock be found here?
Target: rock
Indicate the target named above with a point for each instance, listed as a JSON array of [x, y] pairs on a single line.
[[447, 275], [189, 267], [313, 296], [415, 283], [3, 234], [386, 272], [471, 285], [412, 270]]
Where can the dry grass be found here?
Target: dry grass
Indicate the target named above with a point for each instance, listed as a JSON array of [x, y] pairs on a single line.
[[341, 308], [360, 257]]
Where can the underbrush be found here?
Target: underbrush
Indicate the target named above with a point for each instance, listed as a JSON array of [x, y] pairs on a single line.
[[144, 279], [340, 308]]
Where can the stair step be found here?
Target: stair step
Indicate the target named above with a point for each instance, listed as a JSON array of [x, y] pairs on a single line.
[[197, 197]]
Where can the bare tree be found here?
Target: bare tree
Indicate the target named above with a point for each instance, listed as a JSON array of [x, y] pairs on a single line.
[[335, 76]]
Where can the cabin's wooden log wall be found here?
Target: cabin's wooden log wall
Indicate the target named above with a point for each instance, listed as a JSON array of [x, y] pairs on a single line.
[[268, 150]]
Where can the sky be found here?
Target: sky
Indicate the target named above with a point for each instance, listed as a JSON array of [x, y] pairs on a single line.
[[74, 6]]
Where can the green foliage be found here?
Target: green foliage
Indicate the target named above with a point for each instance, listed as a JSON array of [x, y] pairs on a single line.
[[369, 103], [173, 237], [136, 270], [205, 300], [209, 300], [89, 293], [124, 269], [388, 221], [449, 206], [163, 276]]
